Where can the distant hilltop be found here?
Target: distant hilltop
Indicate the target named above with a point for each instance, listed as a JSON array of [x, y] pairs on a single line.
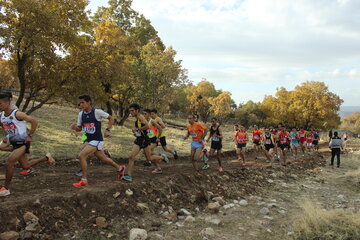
[[348, 110]]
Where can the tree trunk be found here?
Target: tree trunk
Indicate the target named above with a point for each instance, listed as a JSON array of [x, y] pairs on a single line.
[[42, 102], [21, 75], [109, 108], [123, 119]]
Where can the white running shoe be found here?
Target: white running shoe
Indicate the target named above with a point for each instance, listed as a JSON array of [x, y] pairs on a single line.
[[50, 160], [4, 192]]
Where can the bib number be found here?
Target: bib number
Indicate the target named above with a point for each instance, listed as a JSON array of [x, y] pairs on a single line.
[[216, 139], [89, 128]]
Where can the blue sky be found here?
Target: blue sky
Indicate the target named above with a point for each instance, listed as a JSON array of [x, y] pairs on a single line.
[[251, 47]]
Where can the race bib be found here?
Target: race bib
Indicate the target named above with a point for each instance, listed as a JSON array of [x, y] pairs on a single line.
[[10, 128], [283, 140], [268, 141], [89, 128], [216, 139], [193, 134], [138, 133], [256, 137]]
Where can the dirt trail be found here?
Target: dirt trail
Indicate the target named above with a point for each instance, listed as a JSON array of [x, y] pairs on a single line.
[[66, 212], [329, 188]]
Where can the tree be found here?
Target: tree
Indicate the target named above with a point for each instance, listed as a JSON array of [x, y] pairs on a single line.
[[250, 114], [310, 105], [351, 123], [36, 34], [6, 74], [222, 105]]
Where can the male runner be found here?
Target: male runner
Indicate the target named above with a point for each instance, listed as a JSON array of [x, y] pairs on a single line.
[[242, 139], [13, 123], [294, 141], [309, 140], [162, 136], [142, 141], [256, 140], [302, 136], [269, 144], [283, 137], [197, 131], [89, 121], [316, 140], [216, 141]]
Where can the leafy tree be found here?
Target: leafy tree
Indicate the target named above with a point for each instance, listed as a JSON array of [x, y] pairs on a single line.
[[351, 123], [222, 105], [250, 114], [6, 74]]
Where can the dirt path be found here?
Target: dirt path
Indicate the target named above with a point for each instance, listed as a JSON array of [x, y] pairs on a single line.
[[156, 201], [270, 214]]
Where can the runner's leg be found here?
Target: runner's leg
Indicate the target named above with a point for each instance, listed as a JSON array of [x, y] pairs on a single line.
[[15, 156], [83, 155], [134, 152]]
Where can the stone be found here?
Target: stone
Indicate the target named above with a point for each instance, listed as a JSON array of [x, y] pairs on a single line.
[[11, 235], [186, 212], [101, 222], [179, 224], [341, 196], [33, 227], [189, 219], [142, 206], [243, 203], [129, 192], [29, 218], [268, 218], [294, 176], [290, 233], [138, 234], [282, 212], [226, 177], [264, 211], [270, 181], [116, 195], [273, 175], [110, 235], [235, 201], [214, 207], [207, 232], [172, 217], [227, 206], [220, 200], [212, 220], [166, 213]]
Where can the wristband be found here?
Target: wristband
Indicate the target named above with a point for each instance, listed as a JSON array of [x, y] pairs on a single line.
[[30, 135], [107, 129]]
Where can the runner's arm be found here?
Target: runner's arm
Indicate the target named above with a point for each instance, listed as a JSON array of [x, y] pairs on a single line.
[[145, 122], [187, 135], [161, 123], [27, 118], [221, 132]]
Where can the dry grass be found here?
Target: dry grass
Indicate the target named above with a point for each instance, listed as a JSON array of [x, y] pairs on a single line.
[[54, 135], [316, 224]]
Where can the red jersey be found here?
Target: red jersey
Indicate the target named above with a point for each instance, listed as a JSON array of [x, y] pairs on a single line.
[[310, 138], [284, 137], [196, 131], [256, 135], [241, 137]]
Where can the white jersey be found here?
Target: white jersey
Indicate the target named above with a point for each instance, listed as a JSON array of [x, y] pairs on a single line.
[[15, 129]]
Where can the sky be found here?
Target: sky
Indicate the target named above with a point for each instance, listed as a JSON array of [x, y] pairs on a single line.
[[252, 47]]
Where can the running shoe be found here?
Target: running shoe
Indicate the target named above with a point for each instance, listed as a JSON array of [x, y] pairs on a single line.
[[4, 192], [157, 171], [220, 169], [121, 172], [205, 158], [50, 159], [175, 155], [127, 178], [147, 164], [78, 173], [27, 172], [243, 164], [278, 157], [166, 159], [206, 152], [205, 166], [107, 153], [81, 183]]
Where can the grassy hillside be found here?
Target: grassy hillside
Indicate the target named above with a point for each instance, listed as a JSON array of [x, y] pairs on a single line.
[[54, 135]]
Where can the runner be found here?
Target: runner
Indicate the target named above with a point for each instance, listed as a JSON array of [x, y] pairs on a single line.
[[142, 141], [256, 140], [205, 153], [316, 141], [309, 140], [89, 121], [242, 139], [269, 145], [216, 141], [274, 133], [197, 131], [283, 137], [294, 141], [6, 147], [345, 141], [13, 123], [162, 139], [302, 136]]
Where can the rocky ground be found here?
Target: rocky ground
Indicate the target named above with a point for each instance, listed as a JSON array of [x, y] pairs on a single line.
[[252, 202]]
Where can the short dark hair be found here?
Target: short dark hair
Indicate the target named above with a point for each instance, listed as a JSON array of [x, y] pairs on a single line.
[[154, 110], [9, 94], [4, 96], [135, 106], [335, 134], [196, 115], [85, 97], [214, 119], [147, 110]]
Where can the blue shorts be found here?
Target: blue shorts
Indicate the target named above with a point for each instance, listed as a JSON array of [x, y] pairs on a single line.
[[197, 145], [296, 144]]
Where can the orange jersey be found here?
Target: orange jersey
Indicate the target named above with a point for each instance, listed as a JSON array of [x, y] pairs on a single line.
[[196, 131], [256, 135], [241, 137]]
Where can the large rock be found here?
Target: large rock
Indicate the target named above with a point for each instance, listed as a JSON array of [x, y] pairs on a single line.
[[29, 218], [11, 235], [243, 202], [138, 234], [214, 207]]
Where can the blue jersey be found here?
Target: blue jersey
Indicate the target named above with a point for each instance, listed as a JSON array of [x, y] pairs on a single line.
[[91, 126], [294, 137]]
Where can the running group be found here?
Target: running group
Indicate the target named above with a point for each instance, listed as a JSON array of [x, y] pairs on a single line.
[[149, 131]]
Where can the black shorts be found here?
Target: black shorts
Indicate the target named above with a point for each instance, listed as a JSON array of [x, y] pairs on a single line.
[[284, 146], [17, 145], [241, 145], [256, 143], [163, 141], [216, 145], [315, 142], [153, 140], [142, 142], [269, 146]]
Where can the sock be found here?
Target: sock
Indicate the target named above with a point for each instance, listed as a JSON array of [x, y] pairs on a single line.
[[84, 179]]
